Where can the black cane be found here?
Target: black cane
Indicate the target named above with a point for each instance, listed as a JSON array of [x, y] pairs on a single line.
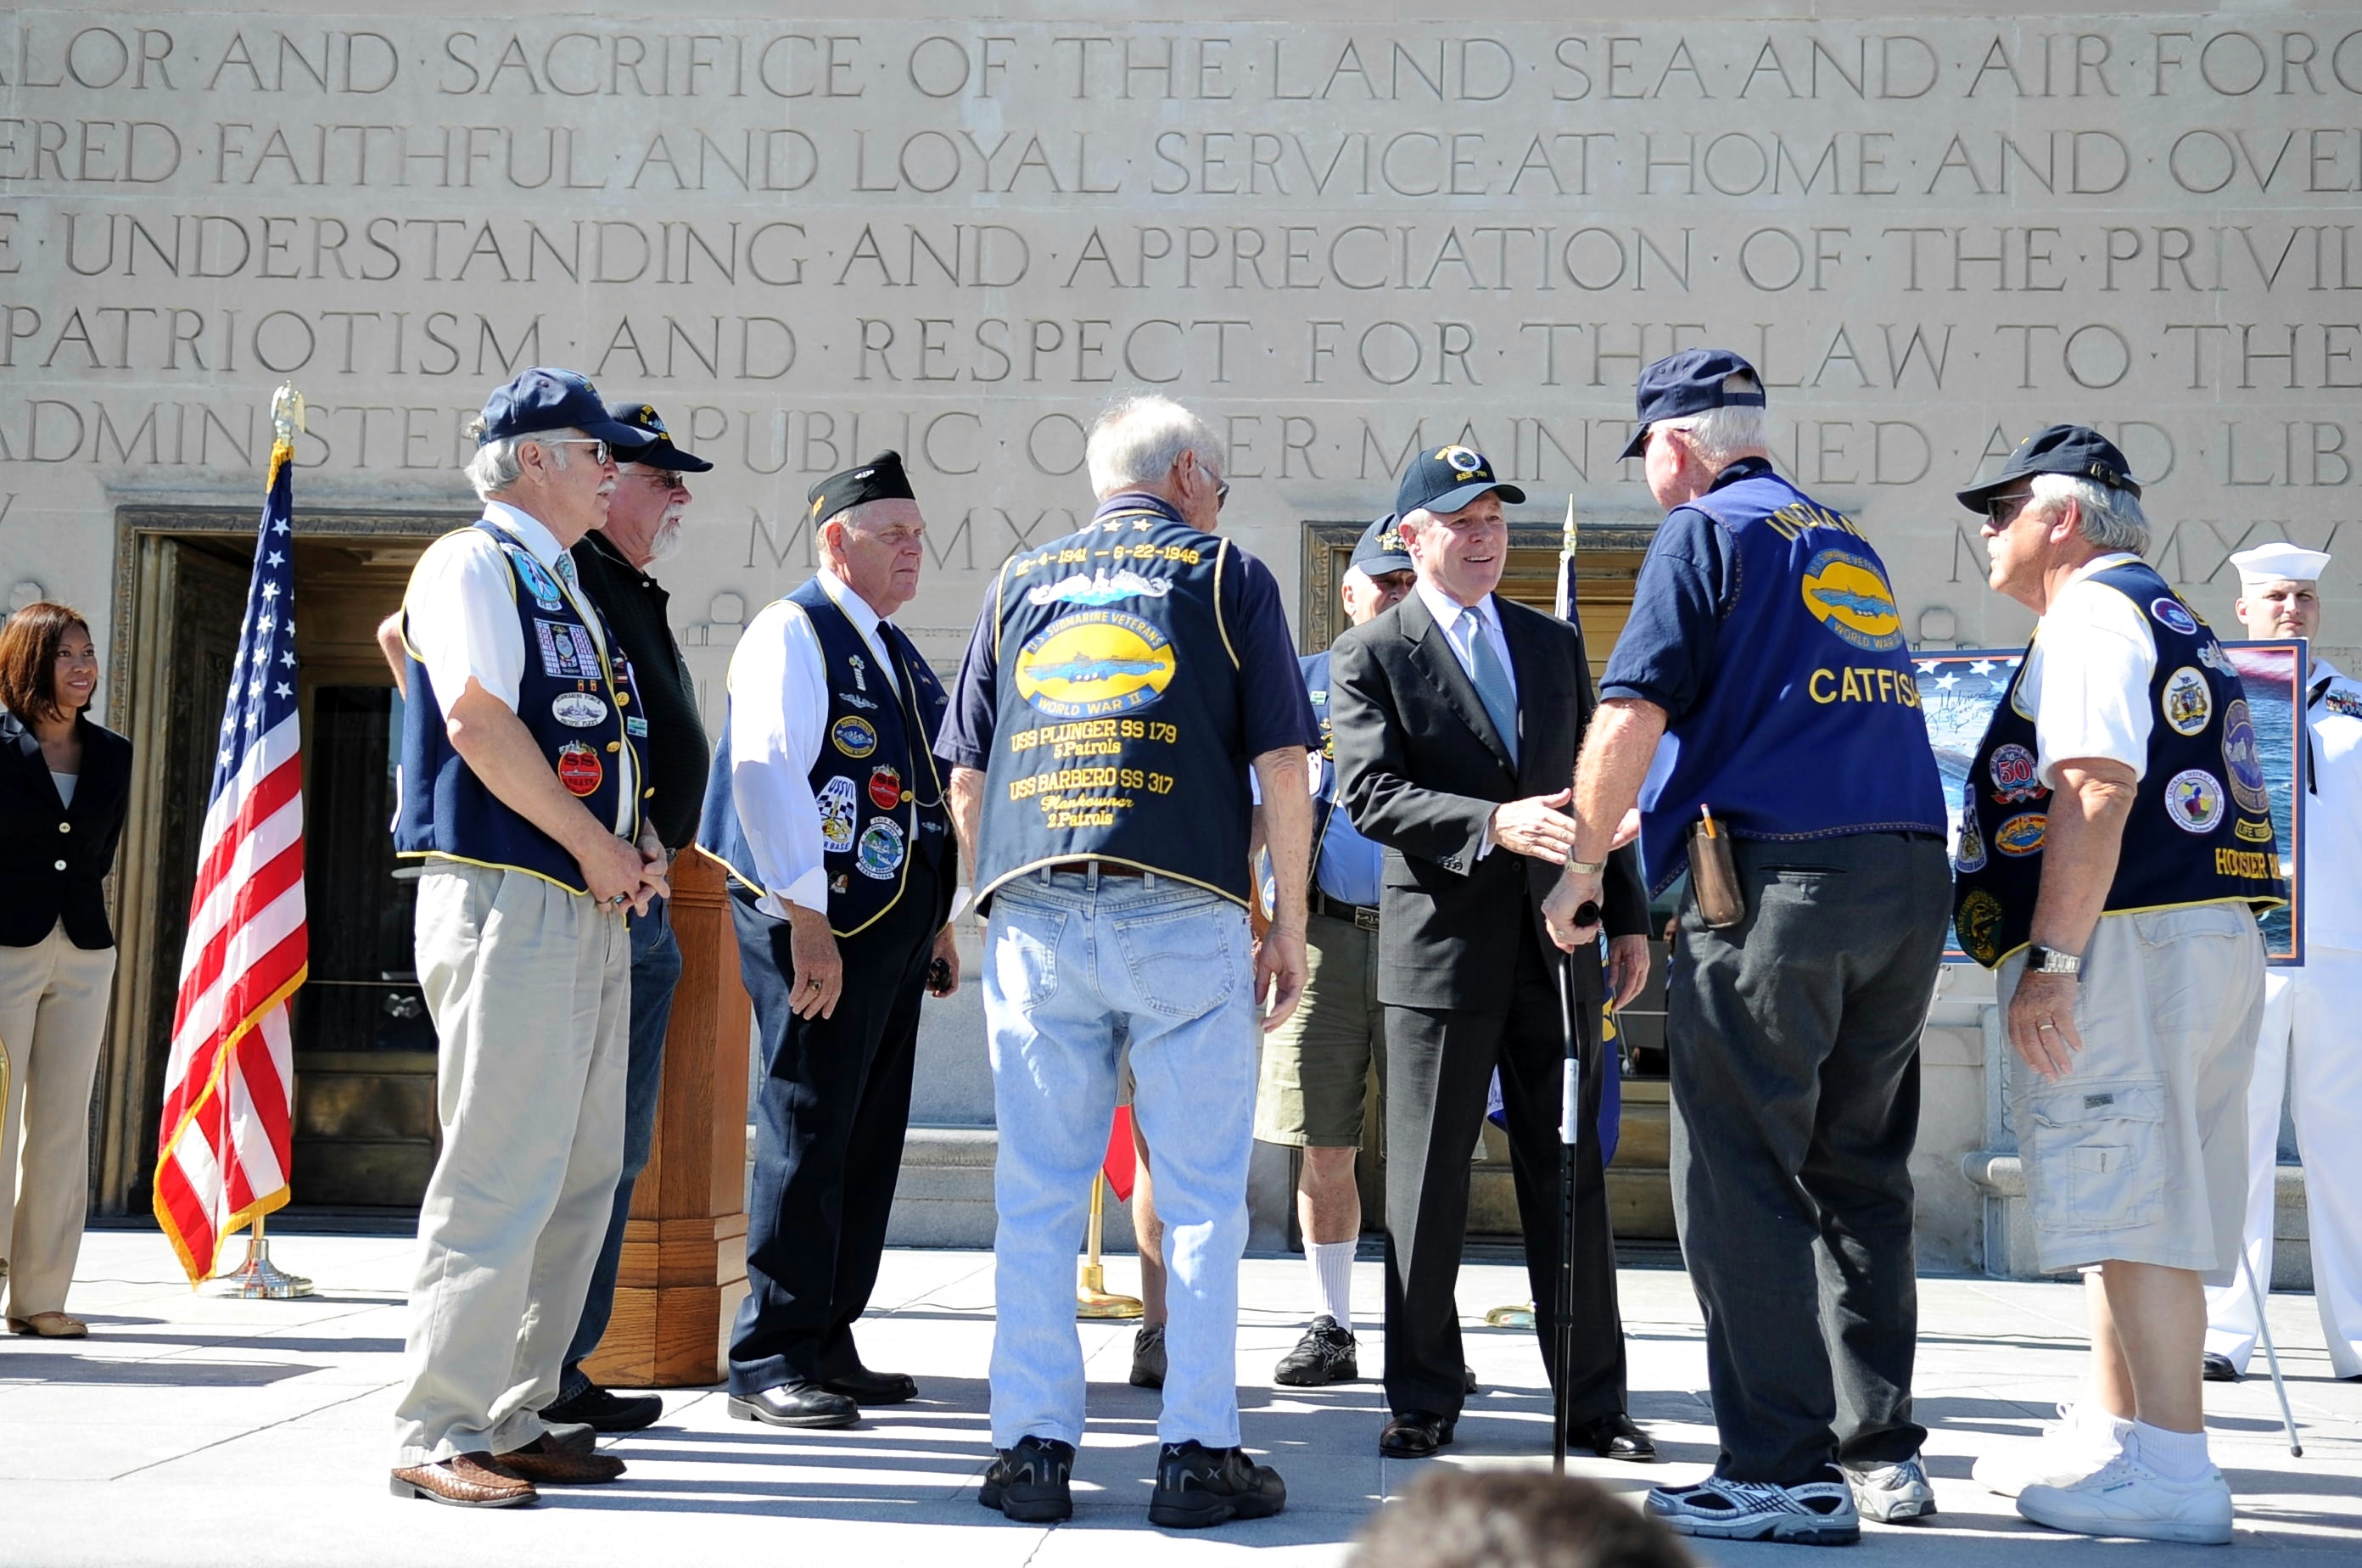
[[1570, 1133]]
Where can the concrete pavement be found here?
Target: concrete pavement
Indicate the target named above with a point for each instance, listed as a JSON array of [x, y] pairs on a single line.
[[190, 1430]]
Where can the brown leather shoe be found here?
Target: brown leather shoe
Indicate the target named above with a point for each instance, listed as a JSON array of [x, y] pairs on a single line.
[[548, 1463], [464, 1481], [51, 1326]]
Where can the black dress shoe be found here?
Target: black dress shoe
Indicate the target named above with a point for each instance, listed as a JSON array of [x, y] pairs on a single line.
[[2217, 1368], [863, 1387], [1415, 1434], [795, 1405], [1614, 1436], [603, 1410]]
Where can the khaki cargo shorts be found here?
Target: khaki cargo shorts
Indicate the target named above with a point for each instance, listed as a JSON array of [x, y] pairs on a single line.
[[1316, 1067], [2141, 1154]]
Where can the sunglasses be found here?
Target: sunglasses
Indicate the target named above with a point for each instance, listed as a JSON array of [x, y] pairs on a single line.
[[2001, 510]]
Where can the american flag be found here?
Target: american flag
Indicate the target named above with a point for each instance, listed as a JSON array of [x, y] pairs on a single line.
[[222, 1159]]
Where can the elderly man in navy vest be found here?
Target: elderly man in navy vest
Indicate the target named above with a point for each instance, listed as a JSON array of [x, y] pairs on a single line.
[[827, 807], [520, 796], [1121, 682], [2116, 848], [1763, 672]]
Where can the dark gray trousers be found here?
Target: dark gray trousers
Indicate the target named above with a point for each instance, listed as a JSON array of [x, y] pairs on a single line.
[[1794, 1046]]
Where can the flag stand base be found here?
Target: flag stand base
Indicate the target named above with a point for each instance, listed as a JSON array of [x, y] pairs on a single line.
[[1093, 1300], [260, 1279]]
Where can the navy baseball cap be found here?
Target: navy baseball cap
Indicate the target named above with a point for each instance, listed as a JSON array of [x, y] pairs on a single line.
[[1444, 481], [1380, 548], [546, 399], [659, 453], [1689, 383], [2076, 449]]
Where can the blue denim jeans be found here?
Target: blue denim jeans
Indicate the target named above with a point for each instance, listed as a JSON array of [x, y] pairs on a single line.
[[655, 971], [1073, 967]]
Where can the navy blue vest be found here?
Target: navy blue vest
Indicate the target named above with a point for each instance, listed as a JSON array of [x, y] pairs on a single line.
[[2201, 828], [878, 787], [1324, 796], [581, 707], [1118, 733], [1809, 726]]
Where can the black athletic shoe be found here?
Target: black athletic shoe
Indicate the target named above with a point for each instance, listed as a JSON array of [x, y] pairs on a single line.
[[1198, 1486], [1029, 1483], [1148, 1356], [1324, 1355]]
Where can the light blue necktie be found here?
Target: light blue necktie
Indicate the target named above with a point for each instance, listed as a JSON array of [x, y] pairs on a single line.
[[1492, 680]]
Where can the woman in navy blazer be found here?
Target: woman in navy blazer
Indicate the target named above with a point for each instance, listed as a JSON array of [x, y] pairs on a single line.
[[64, 782]]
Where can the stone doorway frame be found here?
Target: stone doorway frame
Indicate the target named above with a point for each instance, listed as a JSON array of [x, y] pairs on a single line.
[[139, 682]]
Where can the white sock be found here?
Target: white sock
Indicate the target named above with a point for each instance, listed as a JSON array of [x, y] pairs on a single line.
[[1332, 1277], [2101, 1425], [2176, 1456]]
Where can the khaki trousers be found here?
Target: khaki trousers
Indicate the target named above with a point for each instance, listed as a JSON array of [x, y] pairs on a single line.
[[530, 990], [54, 999]]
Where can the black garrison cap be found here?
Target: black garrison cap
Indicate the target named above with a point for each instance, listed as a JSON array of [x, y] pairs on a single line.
[[2076, 449], [879, 478]]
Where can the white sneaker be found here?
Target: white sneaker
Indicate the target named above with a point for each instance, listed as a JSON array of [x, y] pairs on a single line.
[[2125, 1497], [1816, 1513], [2069, 1448]]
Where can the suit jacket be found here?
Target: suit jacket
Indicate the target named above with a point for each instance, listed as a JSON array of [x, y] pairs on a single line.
[[1419, 768], [53, 857]]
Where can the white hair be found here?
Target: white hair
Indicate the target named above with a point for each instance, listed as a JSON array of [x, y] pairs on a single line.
[[1723, 435], [1137, 441], [496, 465], [2108, 517]]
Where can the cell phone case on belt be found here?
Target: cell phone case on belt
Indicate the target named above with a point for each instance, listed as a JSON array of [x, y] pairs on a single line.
[[1714, 875]]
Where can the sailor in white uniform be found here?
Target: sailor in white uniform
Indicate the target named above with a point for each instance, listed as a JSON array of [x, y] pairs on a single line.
[[2309, 1049]]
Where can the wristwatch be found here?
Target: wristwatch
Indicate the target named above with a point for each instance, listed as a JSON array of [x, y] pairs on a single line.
[[2041, 960], [1584, 867]]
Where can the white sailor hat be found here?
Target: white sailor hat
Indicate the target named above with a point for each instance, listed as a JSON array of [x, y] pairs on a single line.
[[2280, 562]]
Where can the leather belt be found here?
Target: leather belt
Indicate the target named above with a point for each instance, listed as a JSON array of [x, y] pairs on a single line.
[[1361, 915], [1088, 868]]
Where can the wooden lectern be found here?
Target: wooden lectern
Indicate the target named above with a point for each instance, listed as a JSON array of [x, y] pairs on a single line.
[[684, 1266]]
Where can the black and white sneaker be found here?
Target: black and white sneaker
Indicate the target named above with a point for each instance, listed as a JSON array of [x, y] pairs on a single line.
[[1814, 1513], [1891, 1494], [1029, 1483], [1148, 1356], [1199, 1486], [1324, 1355]]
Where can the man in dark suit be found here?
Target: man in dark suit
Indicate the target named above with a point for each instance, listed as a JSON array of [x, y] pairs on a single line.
[[1457, 717]]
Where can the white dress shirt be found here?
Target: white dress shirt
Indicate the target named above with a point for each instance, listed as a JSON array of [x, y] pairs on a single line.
[[2087, 676], [459, 615], [778, 706], [1451, 616]]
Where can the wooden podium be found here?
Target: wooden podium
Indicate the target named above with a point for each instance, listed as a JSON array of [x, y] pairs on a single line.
[[684, 1268]]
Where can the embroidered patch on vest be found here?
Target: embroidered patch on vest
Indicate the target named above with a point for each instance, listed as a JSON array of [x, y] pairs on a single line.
[[2193, 798], [854, 737], [881, 852], [537, 580], [1846, 593], [2169, 613], [2013, 776], [837, 814], [567, 653], [1095, 663], [885, 787], [1979, 924], [579, 769], [578, 710], [2022, 834], [2187, 701], [1970, 854]]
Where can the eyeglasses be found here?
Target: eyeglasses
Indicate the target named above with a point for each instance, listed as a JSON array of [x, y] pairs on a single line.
[[600, 452], [2002, 509], [1221, 493]]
